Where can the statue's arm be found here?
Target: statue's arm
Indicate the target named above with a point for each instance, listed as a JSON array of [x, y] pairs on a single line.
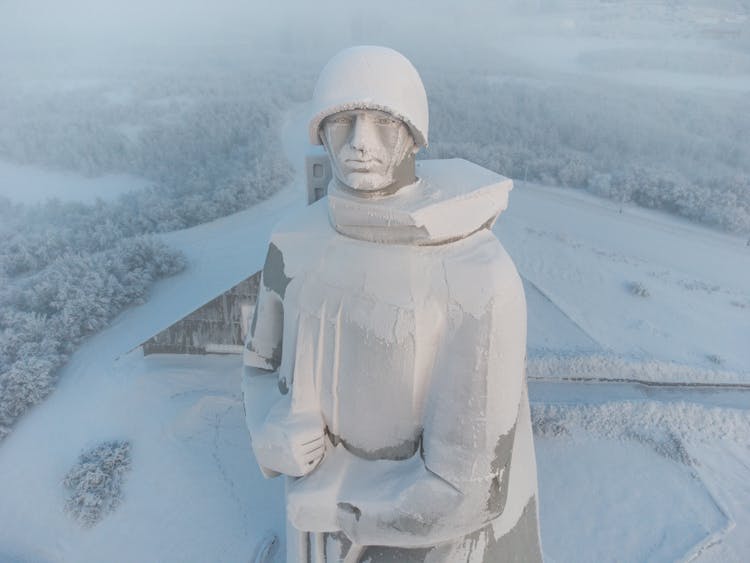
[[289, 442], [285, 439], [468, 436], [264, 337], [261, 356]]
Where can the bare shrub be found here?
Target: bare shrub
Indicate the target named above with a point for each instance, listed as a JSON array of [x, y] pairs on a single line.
[[638, 289]]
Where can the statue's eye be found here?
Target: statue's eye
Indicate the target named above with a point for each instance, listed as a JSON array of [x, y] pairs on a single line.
[[341, 120], [385, 121]]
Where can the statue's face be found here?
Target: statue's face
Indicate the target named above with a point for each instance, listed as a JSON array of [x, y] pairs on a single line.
[[366, 146]]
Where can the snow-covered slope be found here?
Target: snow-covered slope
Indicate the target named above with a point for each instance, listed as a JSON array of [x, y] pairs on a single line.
[[631, 293]]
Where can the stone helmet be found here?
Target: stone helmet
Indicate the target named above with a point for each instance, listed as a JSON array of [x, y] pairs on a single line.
[[370, 77]]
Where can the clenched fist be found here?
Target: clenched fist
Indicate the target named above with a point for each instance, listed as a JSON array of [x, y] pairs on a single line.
[[292, 443]]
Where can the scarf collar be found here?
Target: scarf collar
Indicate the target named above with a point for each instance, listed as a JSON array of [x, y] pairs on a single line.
[[450, 200]]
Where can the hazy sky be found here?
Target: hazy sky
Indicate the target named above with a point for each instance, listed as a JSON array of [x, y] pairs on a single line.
[[43, 25]]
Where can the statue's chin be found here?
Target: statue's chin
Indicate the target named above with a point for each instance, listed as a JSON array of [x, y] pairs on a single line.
[[367, 182]]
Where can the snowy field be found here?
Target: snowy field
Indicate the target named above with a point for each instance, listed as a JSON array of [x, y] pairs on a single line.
[[633, 294], [639, 321], [29, 184]]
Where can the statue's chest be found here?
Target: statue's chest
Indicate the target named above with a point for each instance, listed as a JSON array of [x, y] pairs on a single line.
[[366, 319]]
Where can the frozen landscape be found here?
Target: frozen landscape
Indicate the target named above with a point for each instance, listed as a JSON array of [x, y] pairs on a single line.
[[639, 342]]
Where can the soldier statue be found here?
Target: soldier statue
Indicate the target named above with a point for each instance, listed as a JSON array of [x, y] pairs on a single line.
[[394, 323]]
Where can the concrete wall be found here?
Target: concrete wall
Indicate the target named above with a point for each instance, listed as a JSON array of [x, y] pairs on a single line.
[[216, 327]]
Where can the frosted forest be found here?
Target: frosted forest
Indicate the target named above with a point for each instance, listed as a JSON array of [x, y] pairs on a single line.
[[643, 105]]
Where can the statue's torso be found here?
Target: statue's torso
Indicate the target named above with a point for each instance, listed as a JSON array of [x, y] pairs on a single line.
[[363, 322], [404, 348]]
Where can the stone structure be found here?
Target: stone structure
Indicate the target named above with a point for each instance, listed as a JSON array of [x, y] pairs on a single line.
[[219, 326], [393, 323]]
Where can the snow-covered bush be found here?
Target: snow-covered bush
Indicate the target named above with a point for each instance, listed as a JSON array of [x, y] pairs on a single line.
[[94, 484]]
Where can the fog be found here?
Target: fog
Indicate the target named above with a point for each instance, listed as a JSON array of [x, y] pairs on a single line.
[[72, 31], [642, 102], [234, 28]]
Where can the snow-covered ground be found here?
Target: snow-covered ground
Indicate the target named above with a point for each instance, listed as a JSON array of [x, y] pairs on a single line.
[[634, 479], [30, 184], [627, 472], [633, 294]]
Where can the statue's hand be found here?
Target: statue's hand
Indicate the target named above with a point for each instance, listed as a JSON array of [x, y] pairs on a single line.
[[292, 443]]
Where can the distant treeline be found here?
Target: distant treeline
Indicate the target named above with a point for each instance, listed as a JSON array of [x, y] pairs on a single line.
[[687, 155]]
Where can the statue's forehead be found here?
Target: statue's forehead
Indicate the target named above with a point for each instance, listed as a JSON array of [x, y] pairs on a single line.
[[370, 112]]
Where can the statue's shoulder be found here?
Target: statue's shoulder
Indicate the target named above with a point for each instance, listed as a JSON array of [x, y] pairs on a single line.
[[478, 270], [300, 237], [458, 198], [304, 226]]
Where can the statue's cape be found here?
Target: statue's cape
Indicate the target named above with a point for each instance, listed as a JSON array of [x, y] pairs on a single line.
[[450, 200]]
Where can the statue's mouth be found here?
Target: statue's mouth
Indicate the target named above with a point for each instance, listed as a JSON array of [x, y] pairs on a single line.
[[356, 165]]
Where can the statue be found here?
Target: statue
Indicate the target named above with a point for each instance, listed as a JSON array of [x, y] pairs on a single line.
[[395, 323]]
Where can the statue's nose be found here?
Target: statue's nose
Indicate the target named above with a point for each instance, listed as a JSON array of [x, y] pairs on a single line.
[[361, 134]]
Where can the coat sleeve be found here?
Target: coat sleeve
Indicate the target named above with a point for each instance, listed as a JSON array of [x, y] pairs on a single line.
[[264, 339], [475, 396], [470, 414], [263, 345]]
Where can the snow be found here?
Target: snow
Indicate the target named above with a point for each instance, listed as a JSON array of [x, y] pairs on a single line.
[[30, 184], [193, 477], [195, 493], [578, 255], [626, 471], [673, 458], [609, 514]]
